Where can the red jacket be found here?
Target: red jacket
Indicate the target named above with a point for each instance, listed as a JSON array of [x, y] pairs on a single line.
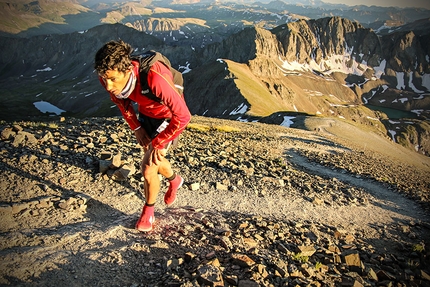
[[160, 80]]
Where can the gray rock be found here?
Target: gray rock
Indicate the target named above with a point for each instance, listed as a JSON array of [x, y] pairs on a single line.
[[210, 275]]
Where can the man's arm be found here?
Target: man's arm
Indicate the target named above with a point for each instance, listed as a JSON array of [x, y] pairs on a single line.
[[127, 111], [160, 80]]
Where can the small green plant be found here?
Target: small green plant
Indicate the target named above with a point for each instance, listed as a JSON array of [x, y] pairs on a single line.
[[53, 125], [32, 124], [280, 161], [413, 264], [318, 265], [418, 248], [385, 179], [300, 257], [198, 127], [227, 129]]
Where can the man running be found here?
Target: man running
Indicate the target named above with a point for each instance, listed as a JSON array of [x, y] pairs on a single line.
[[160, 120]]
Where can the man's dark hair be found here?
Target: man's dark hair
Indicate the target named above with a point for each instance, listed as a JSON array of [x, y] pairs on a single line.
[[113, 55]]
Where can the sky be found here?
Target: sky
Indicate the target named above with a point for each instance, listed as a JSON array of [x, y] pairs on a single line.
[[384, 3]]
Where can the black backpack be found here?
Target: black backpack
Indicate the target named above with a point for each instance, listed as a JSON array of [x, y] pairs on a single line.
[[146, 60]]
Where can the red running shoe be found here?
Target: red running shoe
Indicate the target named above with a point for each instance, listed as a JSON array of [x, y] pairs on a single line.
[[146, 219], [175, 184]]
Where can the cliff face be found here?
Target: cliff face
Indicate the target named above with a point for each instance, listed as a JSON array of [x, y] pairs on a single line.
[[323, 66], [337, 48], [406, 52], [316, 40]]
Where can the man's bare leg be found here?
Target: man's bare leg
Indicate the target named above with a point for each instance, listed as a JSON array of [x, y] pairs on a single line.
[[152, 188], [150, 174]]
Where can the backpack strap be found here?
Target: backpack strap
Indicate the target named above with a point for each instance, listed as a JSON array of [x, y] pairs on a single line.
[[146, 90], [146, 61]]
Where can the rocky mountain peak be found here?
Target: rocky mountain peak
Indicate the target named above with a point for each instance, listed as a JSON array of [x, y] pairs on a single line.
[[314, 40], [408, 52]]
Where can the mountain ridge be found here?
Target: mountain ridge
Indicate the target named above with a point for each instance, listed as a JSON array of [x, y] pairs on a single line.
[[26, 18], [324, 67]]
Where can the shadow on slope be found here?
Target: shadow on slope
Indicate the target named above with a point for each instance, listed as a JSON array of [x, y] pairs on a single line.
[[188, 245], [72, 23]]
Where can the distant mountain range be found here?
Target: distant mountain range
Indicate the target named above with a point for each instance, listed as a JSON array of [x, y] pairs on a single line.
[[250, 62], [25, 18]]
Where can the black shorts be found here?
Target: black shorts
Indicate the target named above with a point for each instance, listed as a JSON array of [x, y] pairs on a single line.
[[152, 126], [155, 126]]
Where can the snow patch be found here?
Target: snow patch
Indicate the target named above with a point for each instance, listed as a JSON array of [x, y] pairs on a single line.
[[287, 122], [335, 63], [411, 85], [426, 81], [47, 69], [185, 68], [400, 80], [241, 109], [46, 107], [392, 133]]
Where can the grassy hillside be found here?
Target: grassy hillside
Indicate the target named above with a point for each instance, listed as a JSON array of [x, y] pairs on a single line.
[[22, 15], [262, 102]]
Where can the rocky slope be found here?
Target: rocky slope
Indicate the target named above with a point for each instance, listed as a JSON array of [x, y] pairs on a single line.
[[263, 205]]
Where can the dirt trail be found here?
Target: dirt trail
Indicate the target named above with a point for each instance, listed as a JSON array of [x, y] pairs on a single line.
[[384, 208]]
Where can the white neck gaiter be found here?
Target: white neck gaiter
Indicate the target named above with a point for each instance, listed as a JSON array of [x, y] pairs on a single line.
[[128, 89]]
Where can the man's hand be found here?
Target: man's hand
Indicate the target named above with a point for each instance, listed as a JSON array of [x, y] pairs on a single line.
[[142, 137], [156, 156]]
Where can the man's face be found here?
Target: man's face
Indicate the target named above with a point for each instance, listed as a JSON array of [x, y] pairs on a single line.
[[115, 81]]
